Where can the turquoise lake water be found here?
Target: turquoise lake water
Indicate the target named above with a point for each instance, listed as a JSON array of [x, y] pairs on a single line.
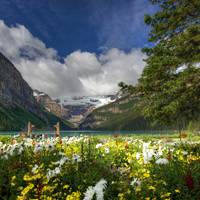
[[90, 132]]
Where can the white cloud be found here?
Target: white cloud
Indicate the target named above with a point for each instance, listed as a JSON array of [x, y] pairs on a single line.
[[81, 73]]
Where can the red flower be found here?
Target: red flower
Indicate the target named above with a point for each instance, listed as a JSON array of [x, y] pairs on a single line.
[[189, 181]]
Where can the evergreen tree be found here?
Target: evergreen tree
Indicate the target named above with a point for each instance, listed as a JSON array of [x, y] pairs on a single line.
[[170, 83]]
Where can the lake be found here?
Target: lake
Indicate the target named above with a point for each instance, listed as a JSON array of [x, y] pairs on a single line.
[[91, 132]]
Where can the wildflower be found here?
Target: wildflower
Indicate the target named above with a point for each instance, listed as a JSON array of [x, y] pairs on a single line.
[[177, 191], [138, 189], [135, 182], [99, 145], [57, 170], [162, 161], [189, 181], [146, 175], [152, 188], [76, 158], [27, 189], [34, 169], [184, 153], [20, 150], [61, 153], [137, 155], [13, 180], [61, 161], [121, 196], [107, 150], [52, 173], [50, 147], [38, 148], [66, 187], [89, 193], [147, 153], [74, 195], [166, 195], [98, 189]]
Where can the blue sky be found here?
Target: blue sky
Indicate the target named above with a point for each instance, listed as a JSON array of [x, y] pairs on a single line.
[[89, 25], [88, 45]]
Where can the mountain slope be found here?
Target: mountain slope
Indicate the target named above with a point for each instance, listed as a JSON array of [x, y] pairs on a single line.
[[17, 104], [122, 114]]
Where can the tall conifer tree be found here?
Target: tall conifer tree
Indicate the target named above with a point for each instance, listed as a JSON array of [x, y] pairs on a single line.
[[170, 83]]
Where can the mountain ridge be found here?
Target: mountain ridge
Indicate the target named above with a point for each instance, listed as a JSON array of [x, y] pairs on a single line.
[[123, 114], [17, 103]]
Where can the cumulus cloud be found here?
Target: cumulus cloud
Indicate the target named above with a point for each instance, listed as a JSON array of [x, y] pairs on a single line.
[[81, 73]]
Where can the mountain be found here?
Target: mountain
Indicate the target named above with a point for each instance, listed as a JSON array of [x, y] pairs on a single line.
[[49, 104], [123, 114], [17, 103], [78, 108]]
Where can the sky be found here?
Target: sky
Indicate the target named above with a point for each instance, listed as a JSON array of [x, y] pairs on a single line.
[[75, 47]]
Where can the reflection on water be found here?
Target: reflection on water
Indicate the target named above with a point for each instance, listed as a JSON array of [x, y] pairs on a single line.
[[91, 132]]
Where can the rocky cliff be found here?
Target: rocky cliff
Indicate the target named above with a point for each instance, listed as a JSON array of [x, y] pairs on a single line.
[[49, 104], [17, 103], [14, 90]]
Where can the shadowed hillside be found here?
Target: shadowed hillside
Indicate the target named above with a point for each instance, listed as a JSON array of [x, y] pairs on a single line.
[[120, 115], [17, 104]]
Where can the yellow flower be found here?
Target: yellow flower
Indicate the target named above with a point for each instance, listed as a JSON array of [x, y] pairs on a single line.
[[166, 195], [20, 198], [147, 198], [74, 196], [138, 189], [13, 178], [48, 188], [66, 187], [121, 196], [152, 188], [30, 178], [177, 191], [27, 189], [146, 175], [27, 178]]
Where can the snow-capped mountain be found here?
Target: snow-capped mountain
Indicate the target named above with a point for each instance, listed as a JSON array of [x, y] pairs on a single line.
[[80, 107], [73, 109], [94, 101]]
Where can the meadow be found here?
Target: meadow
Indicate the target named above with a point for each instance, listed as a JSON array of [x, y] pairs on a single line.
[[100, 167]]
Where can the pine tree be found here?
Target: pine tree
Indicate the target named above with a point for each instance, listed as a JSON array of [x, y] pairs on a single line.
[[170, 83]]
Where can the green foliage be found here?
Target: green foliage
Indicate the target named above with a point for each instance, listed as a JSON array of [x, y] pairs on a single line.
[[5, 139], [16, 118], [125, 89], [170, 83]]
